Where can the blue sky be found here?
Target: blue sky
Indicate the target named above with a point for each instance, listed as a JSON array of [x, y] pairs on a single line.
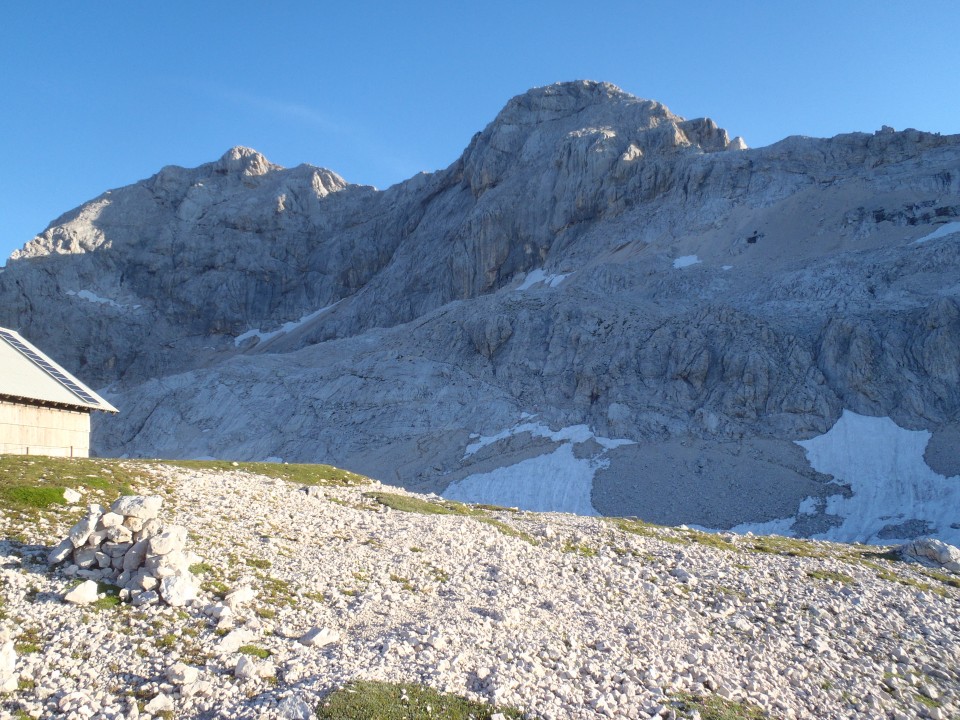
[[99, 95]]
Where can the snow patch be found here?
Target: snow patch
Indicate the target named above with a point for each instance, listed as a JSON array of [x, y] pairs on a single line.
[[539, 277], [890, 482], [283, 329], [90, 296], [555, 482], [943, 231], [685, 261], [726, 267], [574, 434]]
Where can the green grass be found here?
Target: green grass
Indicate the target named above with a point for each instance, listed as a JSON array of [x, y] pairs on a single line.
[[675, 536], [831, 576], [255, 651], [579, 549], [31, 483], [714, 707], [364, 700], [300, 474], [406, 503]]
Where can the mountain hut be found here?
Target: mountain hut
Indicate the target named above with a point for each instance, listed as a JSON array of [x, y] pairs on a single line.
[[44, 410]]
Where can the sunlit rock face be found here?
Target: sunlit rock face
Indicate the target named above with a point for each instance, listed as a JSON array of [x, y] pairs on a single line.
[[590, 260]]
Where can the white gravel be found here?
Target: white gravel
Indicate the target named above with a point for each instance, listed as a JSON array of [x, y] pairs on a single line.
[[587, 621]]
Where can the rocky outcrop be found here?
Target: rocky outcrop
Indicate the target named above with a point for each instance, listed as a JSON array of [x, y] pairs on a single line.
[[591, 258]]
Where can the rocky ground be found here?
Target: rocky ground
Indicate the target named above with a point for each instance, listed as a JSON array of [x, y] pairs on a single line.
[[558, 615]]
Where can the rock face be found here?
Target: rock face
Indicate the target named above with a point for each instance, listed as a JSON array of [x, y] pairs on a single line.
[[591, 259]]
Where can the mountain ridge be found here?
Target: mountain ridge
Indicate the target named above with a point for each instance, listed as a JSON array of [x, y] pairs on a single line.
[[591, 259]]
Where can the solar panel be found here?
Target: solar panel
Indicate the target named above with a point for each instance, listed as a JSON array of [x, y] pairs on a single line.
[[43, 363]]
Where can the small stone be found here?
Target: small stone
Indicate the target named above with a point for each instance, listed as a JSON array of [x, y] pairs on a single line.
[[318, 637], [61, 552], [85, 557], [139, 506], [8, 667], [134, 524], [71, 496], [177, 590], [246, 669], [135, 556], [173, 537], [80, 532], [119, 534], [232, 641], [161, 703], [148, 597], [182, 674], [111, 519], [239, 596], [83, 594], [294, 708], [150, 528]]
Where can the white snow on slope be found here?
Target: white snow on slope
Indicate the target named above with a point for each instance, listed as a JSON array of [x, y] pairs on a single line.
[[558, 481], [90, 296], [283, 329], [685, 261], [539, 277], [942, 231], [891, 483], [555, 482], [575, 434]]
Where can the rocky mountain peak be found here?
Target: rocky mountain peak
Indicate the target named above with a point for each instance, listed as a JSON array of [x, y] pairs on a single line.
[[246, 161]]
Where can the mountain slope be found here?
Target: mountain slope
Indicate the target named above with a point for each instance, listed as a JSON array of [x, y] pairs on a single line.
[[591, 260]]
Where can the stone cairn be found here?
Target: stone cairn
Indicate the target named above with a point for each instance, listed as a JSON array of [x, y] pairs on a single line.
[[128, 547]]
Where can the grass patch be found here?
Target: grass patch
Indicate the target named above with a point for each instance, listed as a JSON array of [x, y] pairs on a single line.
[[167, 641], [25, 497], [201, 568], [579, 549], [31, 486], [405, 503], [300, 474], [255, 651], [259, 563], [714, 707], [362, 700], [831, 576]]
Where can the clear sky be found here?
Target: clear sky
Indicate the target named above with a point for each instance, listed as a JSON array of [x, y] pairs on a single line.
[[96, 95]]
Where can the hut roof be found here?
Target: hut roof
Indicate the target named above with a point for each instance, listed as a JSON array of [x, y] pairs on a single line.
[[27, 373]]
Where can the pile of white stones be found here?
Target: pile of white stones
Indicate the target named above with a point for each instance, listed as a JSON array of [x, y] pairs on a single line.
[[128, 547]]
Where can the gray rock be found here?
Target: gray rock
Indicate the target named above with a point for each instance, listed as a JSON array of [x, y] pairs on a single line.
[[135, 556], [138, 506], [80, 533], [178, 590], [293, 707], [319, 637], [61, 552], [8, 667], [931, 551], [172, 538], [83, 594], [71, 496], [182, 674]]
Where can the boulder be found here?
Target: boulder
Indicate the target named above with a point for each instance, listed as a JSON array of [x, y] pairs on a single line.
[[83, 594]]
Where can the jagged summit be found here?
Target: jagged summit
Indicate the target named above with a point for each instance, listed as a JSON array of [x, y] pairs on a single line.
[[245, 160]]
